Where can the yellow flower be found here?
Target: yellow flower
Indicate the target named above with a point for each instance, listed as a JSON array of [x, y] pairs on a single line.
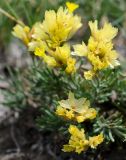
[[22, 33], [80, 49], [57, 27], [71, 6], [50, 61], [69, 114], [63, 58], [89, 74], [88, 114], [48, 39], [47, 59], [101, 55], [70, 65], [106, 34], [32, 45], [59, 58], [99, 50], [76, 109], [96, 140], [40, 52], [61, 54], [60, 111], [77, 142]]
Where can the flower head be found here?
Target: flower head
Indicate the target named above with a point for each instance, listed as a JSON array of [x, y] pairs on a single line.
[[70, 65], [106, 33], [47, 59], [78, 107], [22, 33], [77, 141], [57, 27], [59, 58], [96, 140], [99, 50], [52, 35], [71, 6]]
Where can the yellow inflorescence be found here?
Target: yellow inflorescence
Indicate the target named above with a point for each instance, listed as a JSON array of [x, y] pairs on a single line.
[[99, 50], [76, 109], [96, 140], [57, 27], [78, 141], [71, 6], [49, 41], [22, 32], [52, 35]]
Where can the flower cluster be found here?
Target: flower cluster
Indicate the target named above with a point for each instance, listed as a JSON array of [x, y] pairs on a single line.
[[49, 41], [99, 50], [75, 109], [49, 38], [78, 110], [78, 141]]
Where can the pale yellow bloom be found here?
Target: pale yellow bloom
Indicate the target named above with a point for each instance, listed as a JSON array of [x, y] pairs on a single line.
[[59, 58], [101, 55], [71, 6], [23, 33], [99, 50], [48, 39], [77, 142], [80, 49], [63, 58], [78, 108], [37, 34], [61, 54], [36, 44], [89, 74], [47, 59], [69, 114], [57, 27], [50, 61], [105, 34], [40, 52], [70, 65], [96, 140], [88, 114], [60, 111]]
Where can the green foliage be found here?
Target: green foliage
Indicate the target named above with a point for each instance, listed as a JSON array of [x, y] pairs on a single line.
[[51, 121], [42, 87], [15, 93], [113, 127]]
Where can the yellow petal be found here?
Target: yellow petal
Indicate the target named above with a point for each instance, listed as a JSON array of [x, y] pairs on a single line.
[[71, 6], [89, 74], [40, 52], [80, 49], [96, 140], [60, 111], [80, 119]]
